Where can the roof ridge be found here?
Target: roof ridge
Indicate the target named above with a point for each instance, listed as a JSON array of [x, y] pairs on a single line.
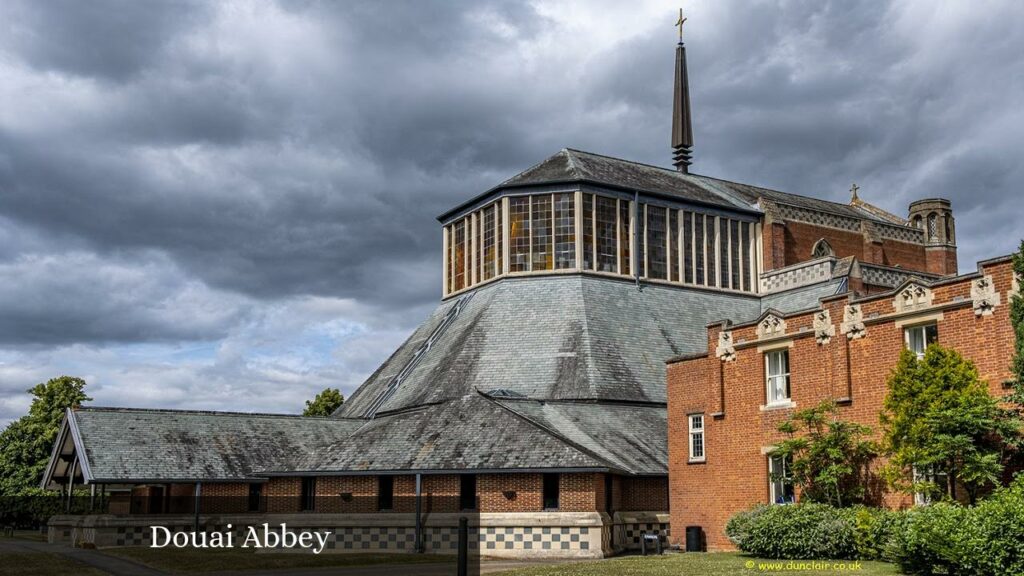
[[554, 434], [201, 412]]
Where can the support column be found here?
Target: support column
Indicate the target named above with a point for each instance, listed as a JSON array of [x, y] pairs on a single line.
[[71, 483]]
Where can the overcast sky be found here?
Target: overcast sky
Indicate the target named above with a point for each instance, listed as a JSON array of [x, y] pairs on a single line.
[[232, 205]]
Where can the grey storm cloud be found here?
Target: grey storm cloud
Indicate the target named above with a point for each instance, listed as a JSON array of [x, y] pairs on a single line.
[[170, 171]]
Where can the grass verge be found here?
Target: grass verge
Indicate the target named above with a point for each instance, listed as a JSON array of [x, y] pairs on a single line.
[[714, 564]]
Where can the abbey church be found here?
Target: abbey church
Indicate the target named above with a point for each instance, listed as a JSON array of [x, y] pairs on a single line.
[[597, 360]]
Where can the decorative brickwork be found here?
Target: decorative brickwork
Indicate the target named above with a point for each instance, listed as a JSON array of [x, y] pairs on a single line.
[[853, 370]]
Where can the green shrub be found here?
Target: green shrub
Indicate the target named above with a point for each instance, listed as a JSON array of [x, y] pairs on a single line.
[[739, 525], [799, 531], [873, 528], [986, 540]]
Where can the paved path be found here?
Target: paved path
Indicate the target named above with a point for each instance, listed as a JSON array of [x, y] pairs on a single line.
[[108, 564]]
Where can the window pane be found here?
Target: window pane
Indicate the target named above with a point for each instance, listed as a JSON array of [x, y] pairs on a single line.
[[499, 237], [688, 247], [459, 259], [588, 231], [673, 245], [700, 248], [487, 270], [657, 258], [723, 251], [606, 240], [641, 231], [737, 252], [540, 229], [709, 249], [565, 231], [519, 234], [625, 239], [915, 340], [931, 334], [479, 249], [748, 279]]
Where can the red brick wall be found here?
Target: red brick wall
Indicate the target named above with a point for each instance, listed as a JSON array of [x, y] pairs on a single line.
[[797, 239], [527, 489], [735, 475], [646, 494]]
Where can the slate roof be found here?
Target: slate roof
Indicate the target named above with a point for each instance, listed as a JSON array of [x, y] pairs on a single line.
[[165, 445], [800, 299], [630, 437], [467, 433], [570, 337], [569, 165]]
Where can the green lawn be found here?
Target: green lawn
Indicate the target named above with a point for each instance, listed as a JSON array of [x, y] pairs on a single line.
[[31, 563], [192, 560], [716, 564]]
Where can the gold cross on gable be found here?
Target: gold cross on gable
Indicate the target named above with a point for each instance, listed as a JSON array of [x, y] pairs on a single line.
[[680, 23], [854, 188]]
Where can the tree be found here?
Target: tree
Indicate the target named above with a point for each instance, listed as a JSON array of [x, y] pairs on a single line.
[[829, 458], [325, 403], [26, 443], [941, 422], [1017, 321]]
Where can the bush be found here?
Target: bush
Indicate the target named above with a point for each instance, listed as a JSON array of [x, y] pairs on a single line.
[[799, 531], [943, 538], [873, 529], [739, 525], [986, 540]]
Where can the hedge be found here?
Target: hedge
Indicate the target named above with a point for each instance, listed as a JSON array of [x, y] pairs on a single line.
[[987, 539]]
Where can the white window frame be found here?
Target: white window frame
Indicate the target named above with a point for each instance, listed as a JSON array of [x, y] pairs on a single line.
[[698, 450], [923, 329], [771, 379], [775, 487], [927, 475]]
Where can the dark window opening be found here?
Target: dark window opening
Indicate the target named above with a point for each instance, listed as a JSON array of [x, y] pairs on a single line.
[[467, 492], [550, 494], [255, 497], [385, 492], [308, 495]]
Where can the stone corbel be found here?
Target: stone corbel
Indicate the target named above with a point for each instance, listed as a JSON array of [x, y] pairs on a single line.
[[984, 296], [1015, 287], [824, 330], [853, 322], [726, 350]]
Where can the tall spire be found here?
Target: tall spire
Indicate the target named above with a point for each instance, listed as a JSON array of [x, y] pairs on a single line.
[[682, 127]]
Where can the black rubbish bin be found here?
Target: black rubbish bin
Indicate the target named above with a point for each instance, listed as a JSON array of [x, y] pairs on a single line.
[[694, 539]]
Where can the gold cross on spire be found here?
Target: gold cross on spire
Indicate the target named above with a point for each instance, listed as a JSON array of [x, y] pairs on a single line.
[[853, 190], [680, 23]]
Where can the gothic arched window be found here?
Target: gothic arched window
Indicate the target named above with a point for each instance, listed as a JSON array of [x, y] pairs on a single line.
[[822, 249], [949, 227], [917, 222], [933, 226]]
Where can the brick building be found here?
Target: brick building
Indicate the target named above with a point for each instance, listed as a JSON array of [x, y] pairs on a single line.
[[533, 398], [725, 404]]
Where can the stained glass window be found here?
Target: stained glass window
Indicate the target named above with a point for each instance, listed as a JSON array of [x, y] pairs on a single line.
[[673, 245], [711, 251], [688, 247], [723, 251], [541, 234], [699, 244], [459, 255], [519, 234], [737, 253], [565, 231], [657, 258], [607, 243], [487, 271], [588, 231], [625, 239]]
